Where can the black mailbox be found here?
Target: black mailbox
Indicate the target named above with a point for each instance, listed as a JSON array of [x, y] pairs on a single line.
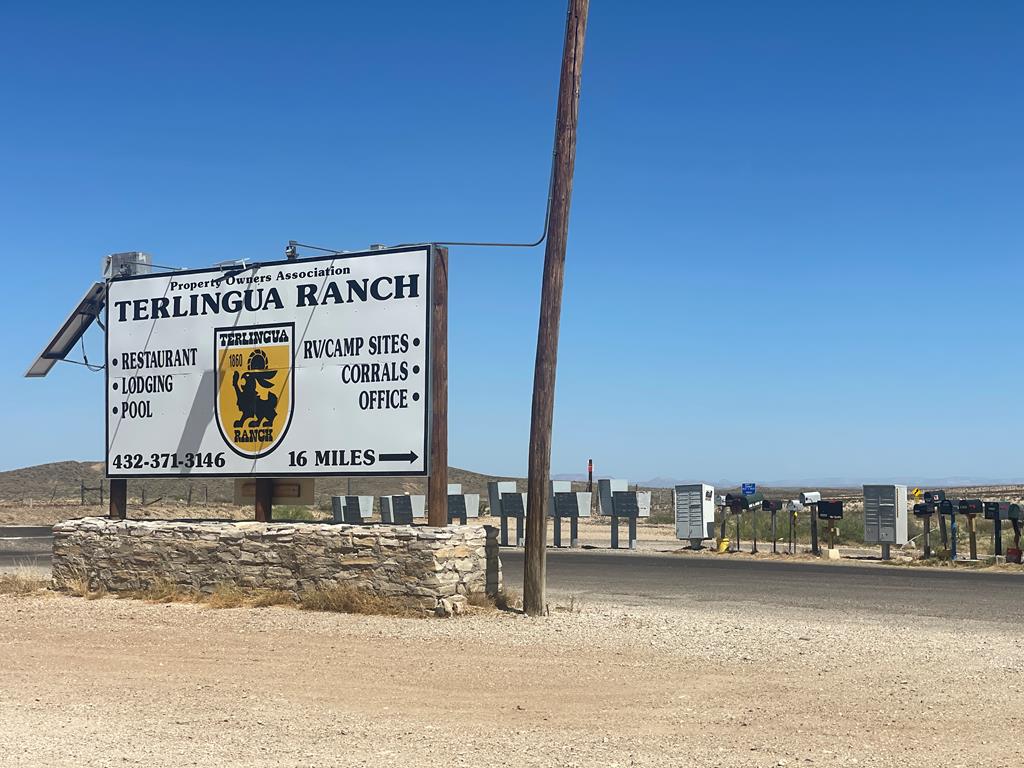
[[830, 510], [926, 509], [771, 505], [736, 503], [970, 507], [946, 507], [934, 496], [1014, 513], [993, 508]]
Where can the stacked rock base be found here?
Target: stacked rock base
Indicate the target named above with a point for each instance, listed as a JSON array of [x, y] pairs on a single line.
[[437, 566]]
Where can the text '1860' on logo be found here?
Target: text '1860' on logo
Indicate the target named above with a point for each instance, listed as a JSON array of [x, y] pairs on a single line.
[[255, 386]]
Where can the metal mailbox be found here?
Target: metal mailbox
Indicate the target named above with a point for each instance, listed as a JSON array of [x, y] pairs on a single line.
[[605, 489], [993, 508], [512, 505], [924, 509], [736, 502], [970, 507], [563, 502], [462, 506], [830, 510], [402, 509], [631, 505], [354, 510], [810, 497], [885, 515], [694, 507], [495, 489]]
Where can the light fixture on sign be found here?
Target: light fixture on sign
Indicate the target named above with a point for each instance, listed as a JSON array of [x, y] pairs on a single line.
[[70, 331]]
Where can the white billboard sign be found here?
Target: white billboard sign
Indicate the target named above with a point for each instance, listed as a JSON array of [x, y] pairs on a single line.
[[311, 367]]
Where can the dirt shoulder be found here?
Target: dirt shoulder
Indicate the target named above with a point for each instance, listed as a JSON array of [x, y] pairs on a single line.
[[118, 682]]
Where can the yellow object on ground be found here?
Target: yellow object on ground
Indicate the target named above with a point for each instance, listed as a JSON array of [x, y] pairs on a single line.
[[723, 546]]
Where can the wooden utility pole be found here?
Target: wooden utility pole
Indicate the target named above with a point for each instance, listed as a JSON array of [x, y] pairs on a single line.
[[566, 120], [437, 483]]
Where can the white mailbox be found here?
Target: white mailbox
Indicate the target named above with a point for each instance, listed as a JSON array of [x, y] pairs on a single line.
[[695, 512], [885, 514]]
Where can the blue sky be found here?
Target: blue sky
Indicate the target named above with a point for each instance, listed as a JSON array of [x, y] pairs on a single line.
[[795, 239]]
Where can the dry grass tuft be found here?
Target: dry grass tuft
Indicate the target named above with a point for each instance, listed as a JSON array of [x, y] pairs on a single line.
[[508, 600], [265, 598], [20, 584], [162, 591], [481, 600], [503, 601], [226, 596], [344, 599], [80, 587], [575, 605]]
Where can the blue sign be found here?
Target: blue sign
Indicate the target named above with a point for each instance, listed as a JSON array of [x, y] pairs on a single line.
[[749, 489]]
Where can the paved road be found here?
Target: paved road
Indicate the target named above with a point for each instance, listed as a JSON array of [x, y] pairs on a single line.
[[635, 578], [25, 546], [639, 579]]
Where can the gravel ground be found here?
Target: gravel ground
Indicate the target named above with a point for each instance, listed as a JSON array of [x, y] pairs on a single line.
[[119, 682]]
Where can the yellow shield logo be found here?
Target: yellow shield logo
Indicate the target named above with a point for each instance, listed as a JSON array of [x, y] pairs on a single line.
[[255, 386]]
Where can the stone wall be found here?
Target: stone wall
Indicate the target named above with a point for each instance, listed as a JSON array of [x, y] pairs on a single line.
[[399, 560]]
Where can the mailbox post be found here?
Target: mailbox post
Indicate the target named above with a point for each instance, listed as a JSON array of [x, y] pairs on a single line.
[[772, 506], [924, 511], [997, 511], [1014, 515], [811, 499], [971, 508], [947, 507], [831, 511], [736, 503], [793, 508], [935, 499]]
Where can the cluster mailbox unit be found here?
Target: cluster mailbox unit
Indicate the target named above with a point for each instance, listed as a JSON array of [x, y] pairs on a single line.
[[564, 502], [403, 509], [617, 500], [351, 509], [462, 506], [506, 502], [885, 516], [694, 506]]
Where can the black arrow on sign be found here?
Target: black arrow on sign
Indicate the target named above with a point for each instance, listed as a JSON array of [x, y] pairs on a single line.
[[410, 457]]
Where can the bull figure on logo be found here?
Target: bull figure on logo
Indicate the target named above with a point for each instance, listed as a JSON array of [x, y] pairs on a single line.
[[252, 407]]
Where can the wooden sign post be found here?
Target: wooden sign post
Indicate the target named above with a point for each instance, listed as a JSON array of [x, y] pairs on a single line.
[[437, 482]]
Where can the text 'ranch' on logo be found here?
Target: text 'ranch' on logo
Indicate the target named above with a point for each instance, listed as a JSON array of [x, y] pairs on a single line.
[[255, 386]]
